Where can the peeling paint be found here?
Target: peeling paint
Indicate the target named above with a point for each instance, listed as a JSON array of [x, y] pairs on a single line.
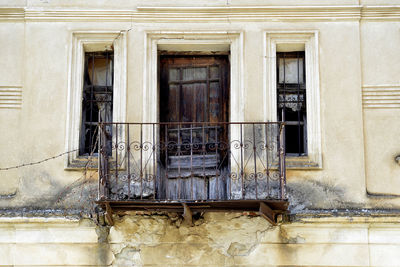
[[307, 195], [9, 196]]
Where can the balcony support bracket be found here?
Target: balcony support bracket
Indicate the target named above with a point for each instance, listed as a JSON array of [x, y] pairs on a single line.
[[266, 212], [108, 214], [187, 215]]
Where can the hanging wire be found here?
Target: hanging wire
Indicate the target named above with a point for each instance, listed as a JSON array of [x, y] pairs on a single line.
[[83, 178], [53, 157], [37, 162]]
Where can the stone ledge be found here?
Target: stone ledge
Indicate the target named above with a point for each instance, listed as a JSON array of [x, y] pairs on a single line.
[[346, 216]]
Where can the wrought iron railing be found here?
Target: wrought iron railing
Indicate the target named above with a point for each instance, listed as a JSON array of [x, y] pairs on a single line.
[[191, 161]]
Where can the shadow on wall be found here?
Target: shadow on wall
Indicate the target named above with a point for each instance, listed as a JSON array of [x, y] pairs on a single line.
[[311, 195], [40, 192]]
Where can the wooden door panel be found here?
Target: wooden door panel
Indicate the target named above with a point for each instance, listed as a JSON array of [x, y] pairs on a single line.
[[186, 80], [173, 102], [193, 102], [193, 89], [215, 102]]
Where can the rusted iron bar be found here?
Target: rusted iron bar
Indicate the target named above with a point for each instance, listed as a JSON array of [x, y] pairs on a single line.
[[255, 159], [282, 171], [241, 160], [194, 123], [141, 161], [116, 154], [154, 162], [128, 151], [182, 161]]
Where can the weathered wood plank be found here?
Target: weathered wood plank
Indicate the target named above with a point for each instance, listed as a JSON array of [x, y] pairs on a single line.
[[267, 213]]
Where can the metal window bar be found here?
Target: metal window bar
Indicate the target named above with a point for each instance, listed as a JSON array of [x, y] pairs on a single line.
[[97, 97], [291, 99]]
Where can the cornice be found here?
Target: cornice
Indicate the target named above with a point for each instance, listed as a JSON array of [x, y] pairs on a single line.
[[246, 9], [12, 14], [380, 13], [255, 13], [205, 14], [200, 14], [78, 15]]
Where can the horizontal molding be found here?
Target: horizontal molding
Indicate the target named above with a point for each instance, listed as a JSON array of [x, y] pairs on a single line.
[[12, 14], [380, 13], [10, 97], [79, 15], [216, 13], [381, 96], [258, 12]]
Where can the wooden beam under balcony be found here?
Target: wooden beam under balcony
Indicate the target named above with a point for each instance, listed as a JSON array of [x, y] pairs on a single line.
[[269, 209]]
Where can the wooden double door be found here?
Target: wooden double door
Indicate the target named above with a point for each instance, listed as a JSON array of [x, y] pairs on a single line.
[[194, 97]]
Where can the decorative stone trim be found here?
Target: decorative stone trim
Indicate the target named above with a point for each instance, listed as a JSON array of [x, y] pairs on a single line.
[[12, 14], [10, 97], [207, 40], [257, 13], [210, 13], [308, 39], [380, 13], [194, 41], [381, 96], [92, 41]]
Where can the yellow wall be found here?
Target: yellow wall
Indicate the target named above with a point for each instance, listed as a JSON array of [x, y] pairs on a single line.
[[217, 239], [359, 86], [357, 49]]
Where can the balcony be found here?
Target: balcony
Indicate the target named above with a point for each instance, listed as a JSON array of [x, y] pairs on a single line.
[[192, 167]]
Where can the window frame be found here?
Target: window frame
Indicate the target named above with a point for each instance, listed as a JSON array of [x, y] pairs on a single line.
[[302, 145], [91, 41], [279, 41], [89, 102]]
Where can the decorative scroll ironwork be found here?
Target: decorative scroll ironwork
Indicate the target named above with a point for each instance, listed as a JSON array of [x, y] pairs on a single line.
[[191, 161]]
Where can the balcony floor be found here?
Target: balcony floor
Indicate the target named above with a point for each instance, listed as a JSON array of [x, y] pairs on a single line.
[[268, 208]]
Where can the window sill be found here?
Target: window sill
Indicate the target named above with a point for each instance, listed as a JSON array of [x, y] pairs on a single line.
[[301, 163], [83, 163]]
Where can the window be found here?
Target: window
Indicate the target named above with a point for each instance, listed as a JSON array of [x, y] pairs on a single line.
[[291, 93], [97, 98], [96, 91], [291, 99]]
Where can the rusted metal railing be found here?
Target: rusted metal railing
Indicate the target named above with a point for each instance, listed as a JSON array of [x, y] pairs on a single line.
[[191, 161]]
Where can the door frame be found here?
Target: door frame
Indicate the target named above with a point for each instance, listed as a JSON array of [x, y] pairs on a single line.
[[198, 41]]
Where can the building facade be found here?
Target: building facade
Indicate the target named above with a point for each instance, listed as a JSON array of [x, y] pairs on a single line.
[[202, 133]]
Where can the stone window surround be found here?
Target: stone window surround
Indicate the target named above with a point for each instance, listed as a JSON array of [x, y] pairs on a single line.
[[197, 41], [88, 41], [205, 40], [194, 41], [296, 40], [201, 41]]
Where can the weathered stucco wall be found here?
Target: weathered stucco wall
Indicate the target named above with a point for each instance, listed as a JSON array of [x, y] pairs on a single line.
[[359, 85], [216, 239], [353, 54], [51, 242], [381, 94]]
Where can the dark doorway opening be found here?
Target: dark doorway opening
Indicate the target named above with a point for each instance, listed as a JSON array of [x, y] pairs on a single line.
[[194, 103]]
